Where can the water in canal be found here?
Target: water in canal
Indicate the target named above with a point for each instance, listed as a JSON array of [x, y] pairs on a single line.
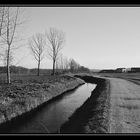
[[51, 116]]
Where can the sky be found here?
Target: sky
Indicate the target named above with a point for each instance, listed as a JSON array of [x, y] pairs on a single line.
[[96, 37]]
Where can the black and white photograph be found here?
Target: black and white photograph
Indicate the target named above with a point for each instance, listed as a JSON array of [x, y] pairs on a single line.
[[69, 70]]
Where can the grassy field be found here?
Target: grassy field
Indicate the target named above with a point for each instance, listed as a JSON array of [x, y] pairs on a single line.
[[121, 75], [26, 92], [25, 78], [133, 77]]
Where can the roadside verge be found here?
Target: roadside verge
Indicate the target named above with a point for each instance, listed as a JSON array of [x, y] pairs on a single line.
[[93, 115]]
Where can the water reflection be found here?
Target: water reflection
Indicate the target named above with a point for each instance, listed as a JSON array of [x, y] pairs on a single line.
[[50, 117]]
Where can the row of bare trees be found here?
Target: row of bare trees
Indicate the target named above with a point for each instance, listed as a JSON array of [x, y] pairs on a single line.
[[69, 65], [9, 23], [65, 64], [52, 41], [37, 45]]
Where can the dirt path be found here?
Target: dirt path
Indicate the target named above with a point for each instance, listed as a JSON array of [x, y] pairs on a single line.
[[124, 106]]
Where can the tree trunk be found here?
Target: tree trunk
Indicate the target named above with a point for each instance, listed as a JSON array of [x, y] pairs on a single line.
[[8, 75], [53, 73], [38, 68], [8, 68]]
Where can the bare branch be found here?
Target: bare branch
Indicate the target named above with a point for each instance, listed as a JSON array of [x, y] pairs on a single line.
[[36, 45], [55, 41], [10, 22]]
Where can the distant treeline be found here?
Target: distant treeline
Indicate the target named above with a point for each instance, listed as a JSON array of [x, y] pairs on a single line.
[[23, 70], [120, 70]]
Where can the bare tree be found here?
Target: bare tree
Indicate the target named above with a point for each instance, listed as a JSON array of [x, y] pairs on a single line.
[[66, 63], [2, 25], [55, 40], [62, 63], [11, 58], [36, 44], [2, 15], [59, 66], [11, 22], [73, 65]]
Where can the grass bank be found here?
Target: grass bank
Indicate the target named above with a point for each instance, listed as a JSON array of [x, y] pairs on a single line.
[[24, 95], [93, 115]]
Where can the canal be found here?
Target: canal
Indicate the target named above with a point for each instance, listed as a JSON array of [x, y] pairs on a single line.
[[49, 117]]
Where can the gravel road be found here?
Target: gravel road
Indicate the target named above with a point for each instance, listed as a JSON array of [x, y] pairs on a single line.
[[124, 106]]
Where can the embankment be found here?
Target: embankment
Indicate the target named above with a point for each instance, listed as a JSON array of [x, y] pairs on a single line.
[[93, 115], [18, 99]]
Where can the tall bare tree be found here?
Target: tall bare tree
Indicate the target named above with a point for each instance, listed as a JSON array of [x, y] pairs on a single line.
[[11, 21], [36, 44], [55, 42], [73, 65], [11, 58], [2, 25], [2, 16], [62, 63], [66, 63]]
